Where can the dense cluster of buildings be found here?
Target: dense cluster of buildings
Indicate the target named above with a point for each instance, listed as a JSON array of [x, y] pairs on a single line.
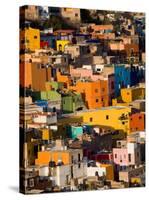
[[82, 100]]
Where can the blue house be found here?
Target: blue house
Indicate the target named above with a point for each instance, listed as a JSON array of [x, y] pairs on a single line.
[[127, 76], [43, 104], [50, 38]]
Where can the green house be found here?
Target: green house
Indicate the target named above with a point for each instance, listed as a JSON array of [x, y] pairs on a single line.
[[47, 95], [72, 102], [55, 85]]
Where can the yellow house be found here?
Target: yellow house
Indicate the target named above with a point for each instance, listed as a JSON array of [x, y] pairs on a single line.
[[115, 102], [130, 94], [30, 39], [116, 117], [60, 45], [135, 180], [109, 171], [46, 134], [28, 153]]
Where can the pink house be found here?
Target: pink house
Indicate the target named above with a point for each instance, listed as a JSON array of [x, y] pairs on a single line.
[[120, 156], [127, 155]]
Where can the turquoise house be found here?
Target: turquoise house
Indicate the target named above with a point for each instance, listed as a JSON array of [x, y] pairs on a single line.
[[74, 131]]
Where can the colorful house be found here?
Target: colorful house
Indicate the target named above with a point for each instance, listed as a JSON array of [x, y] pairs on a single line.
[[103, 157], [47, 95], [25, 74], [137, 122], [94, 94], [127, 76], [116, 117], [30, 73], [126, 155], [72, 15], [30, 39], [102, 170], [38, 84], [43, 104], [74, 131], [102, 28], [44, 44], [65, 156], [29, 12], [49, 38], [60, 45], [72, 102], [131, 94], [64, 34], [88, 74], [53, 85], [46, 134], [65, 79]]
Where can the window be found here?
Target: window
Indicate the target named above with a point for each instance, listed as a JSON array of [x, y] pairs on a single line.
[[107, 116], [91, 119], [112, 85], [60, 47], [129, 157], [98, 70], [131, 52], [103, 89], [102, 99], [140, 117], [123, 123], [71, 159], [71, 171], [119, 143], [79, 157], [31, 182], [22, 41], [76, 14], [97, 100], [96, 90], [67, 179], [27, 41], [128, 93], [115, 155], [35, 37]]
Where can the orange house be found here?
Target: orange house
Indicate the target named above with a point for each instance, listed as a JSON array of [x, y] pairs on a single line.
[[25, 74], [98, 28], [44, 157], [34, 76], [40, 75], [103, 31], [131, 49], [137, 122], [95, 94], [63, 79]]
